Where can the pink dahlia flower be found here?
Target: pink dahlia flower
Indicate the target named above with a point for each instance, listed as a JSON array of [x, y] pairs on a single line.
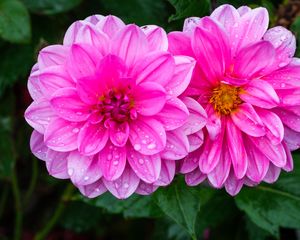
[[249, 83], [106, 111]]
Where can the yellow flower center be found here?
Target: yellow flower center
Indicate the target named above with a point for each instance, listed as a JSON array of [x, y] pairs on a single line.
[[225, 98]]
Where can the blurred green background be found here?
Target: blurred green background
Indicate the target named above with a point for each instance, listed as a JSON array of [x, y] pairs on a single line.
[[34, 205]]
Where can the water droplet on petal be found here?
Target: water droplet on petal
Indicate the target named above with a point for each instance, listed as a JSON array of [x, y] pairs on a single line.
[[126, 185], [141, 161], [115, 163], [137, 147], [151, 146], [75, 130], [70, 171]]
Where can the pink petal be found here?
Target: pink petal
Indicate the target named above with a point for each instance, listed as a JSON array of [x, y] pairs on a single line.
[[61, 135], [83, 170], [72, 32], [291, 138], [260, 93], [197, 117], [236, 149], [157, 37], [33, 83], [233, 185], [177, 146], [110, 25], [184, 67], [226, 15], [147, 136], [149, 98], [39, 114], [254, 60], [243, 10], [92, 138], [272, 174], [94, 19], [275, 153], [289, 159], [167, 173], [112, 161], [146, 167], [214, 122], [190, 24], [252, 24], [211, 47], [173, 115], [195, 140], [157, 67], [145, 188], [273, 124], [289, 97], [93, 190], [248, 121], [190, 162], [125, 185], [130, 44], [218, 176], [119, 134], [56, 164], [180, 44], [288, 118], [37, 145], [54, 78], [284, 43], [52, 55], [67, 104], [194, 178]]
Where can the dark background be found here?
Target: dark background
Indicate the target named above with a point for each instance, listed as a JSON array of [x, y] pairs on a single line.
[[33, 205]]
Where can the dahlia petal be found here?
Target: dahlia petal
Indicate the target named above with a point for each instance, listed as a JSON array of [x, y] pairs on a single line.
[[233, 185], [157, 67], [275, 153], [125, 185], [177, 146], [180, 44], [197, 117], [194, 178], [112, 161], [218, 176], [67, 104], [39, 114], [72, 32], [110, 25], [37, 145], [92, 138], [149, 98], [211, 47], [94, 19], [146, 167], [227, 15], [93, 190], [247, 59], [261, 94], [157, 37], [273, 124], [52, 55], [190, 162], [236, 149], [284, 42], [272, 174], [288, 118], [54, 78], [33, 83], [184, 67], [289, 159], [173, 115], [61, 135], [291, 138], [83, 170], [214, 122], [130, 44], [243, 10], [119, 134], [190, 24], [145, 188], [167, 173], [289, 97], [195, 140], [56, 164], [253, 24], [248, 121], [147, 136]]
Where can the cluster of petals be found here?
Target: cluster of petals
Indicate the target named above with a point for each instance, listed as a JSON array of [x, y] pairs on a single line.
[[106, 112], [248, 82]]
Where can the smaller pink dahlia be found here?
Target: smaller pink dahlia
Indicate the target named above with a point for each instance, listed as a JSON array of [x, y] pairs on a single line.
[[106, 111], [249, 83]]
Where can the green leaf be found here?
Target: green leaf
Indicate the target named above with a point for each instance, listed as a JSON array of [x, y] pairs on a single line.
[[50, 6], [274, 206], [14, 22], [182, 203], [255, 232], [189, 8], [295, 27]]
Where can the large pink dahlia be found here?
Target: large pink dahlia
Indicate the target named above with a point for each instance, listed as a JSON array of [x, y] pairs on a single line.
[[106, 111], [249, 83]]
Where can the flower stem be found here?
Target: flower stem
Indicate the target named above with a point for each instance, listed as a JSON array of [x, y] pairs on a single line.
[[33, 180], [18, 206], [42, 234]]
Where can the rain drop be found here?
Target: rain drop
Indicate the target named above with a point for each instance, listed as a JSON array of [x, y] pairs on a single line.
[[137, 147]]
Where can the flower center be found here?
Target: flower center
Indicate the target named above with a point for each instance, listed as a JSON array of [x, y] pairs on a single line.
[[117, 106], [225, 98]]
